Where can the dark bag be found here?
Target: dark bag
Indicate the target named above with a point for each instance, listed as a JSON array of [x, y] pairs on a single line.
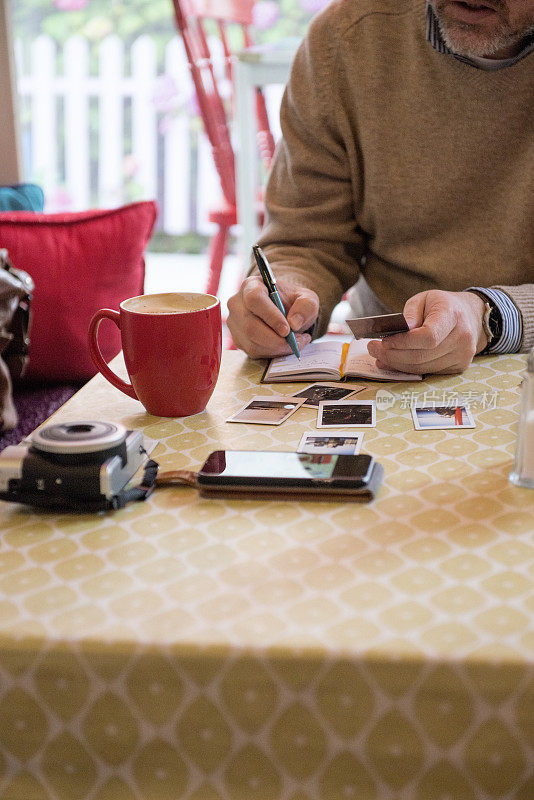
[[16, 289]]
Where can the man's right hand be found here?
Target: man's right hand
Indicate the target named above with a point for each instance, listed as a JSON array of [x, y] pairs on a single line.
[[259, 328]]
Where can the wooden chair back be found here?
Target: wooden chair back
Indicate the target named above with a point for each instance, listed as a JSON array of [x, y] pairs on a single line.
[[232, 20]]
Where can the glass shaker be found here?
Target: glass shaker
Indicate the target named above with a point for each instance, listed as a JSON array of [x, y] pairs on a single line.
[[523, 471]]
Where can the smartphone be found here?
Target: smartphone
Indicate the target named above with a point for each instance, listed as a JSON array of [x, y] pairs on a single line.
[[275, 472]]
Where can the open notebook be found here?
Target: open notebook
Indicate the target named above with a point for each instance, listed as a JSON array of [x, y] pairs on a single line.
[[329, 360]]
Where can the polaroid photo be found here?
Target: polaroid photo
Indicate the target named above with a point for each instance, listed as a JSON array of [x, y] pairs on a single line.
[[434, 417], [316, 393], [378, 327], [329, 443], [270, 410], [346, 414]]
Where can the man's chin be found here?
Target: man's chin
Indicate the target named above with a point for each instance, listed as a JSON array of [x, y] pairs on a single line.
[[466, 43], [475, 33]]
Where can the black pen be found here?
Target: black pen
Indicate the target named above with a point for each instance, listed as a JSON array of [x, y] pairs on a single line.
[[269, 281]]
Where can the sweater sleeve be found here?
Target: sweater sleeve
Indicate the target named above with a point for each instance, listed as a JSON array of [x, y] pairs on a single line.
[[310, 234]]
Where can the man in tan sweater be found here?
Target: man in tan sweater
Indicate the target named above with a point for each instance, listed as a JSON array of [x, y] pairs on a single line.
[[407, 157]]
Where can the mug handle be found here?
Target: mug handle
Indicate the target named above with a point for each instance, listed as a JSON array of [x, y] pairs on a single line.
[[96, 355]]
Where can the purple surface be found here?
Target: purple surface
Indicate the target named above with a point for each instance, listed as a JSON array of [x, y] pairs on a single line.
[[34, 404]]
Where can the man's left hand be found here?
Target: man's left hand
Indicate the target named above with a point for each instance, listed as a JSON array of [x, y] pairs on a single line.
[[445, 333]]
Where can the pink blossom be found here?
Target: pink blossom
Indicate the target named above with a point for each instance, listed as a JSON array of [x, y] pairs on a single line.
[[166, 95], [313, 6], [169, 98], [70, 5], [266, 14], [58, 200], [192, 106], [165, 124], [130, 165]]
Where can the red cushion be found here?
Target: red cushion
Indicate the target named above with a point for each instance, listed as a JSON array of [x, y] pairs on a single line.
[[80, 262]]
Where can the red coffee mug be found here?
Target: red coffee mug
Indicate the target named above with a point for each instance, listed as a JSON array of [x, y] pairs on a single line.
[[172, 347]]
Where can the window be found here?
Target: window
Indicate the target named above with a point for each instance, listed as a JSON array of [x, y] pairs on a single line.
[[108, 114]]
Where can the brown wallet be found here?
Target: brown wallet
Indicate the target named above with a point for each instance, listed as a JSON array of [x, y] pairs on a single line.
[[363, 495]]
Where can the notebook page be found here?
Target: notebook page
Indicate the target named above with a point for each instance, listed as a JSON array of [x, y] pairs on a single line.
[[359, 362], [314, 356]]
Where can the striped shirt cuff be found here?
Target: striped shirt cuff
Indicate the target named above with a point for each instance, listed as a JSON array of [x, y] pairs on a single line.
[[512, 324]]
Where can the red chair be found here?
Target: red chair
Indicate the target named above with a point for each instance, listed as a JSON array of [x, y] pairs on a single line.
[[191, 17]]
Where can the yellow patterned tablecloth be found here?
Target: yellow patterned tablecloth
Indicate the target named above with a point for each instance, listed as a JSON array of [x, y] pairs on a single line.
[[242, 650]]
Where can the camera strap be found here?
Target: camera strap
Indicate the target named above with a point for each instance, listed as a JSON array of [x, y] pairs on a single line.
[[178, 477], [149, 482], [139, 492]]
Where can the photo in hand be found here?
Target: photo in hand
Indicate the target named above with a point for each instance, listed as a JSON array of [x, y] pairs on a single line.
[[378, 327], [267, 410], [346, 414]]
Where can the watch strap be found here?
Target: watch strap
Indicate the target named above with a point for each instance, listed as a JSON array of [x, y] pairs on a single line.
[[491, 321]]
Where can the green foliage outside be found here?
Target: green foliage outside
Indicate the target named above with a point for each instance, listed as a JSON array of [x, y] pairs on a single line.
[[129, 19], [95, 19]]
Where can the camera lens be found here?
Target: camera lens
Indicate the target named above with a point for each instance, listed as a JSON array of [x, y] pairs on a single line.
[[78, 436], [79, 428]]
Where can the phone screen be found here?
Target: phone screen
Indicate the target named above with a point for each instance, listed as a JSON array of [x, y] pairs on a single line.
[[273, 467]]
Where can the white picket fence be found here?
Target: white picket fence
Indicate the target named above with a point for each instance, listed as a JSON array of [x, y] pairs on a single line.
[[84, 128]]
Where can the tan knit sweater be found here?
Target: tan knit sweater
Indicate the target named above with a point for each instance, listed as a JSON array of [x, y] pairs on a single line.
[[410, 159]]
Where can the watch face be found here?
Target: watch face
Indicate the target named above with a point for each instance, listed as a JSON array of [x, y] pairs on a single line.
[[495, 322]]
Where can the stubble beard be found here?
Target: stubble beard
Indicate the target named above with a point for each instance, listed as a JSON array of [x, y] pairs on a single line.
[[472, 41]]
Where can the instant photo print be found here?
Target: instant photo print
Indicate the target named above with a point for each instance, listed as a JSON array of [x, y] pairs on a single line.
[[317, 393], [433, 417], [346, 414], [378, 327], [339, 442], [267, 410]]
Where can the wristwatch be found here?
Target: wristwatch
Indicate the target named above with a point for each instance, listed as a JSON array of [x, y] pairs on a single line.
[[491, 321]]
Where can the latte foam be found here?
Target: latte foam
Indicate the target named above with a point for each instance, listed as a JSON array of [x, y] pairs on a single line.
[[169, 303]]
